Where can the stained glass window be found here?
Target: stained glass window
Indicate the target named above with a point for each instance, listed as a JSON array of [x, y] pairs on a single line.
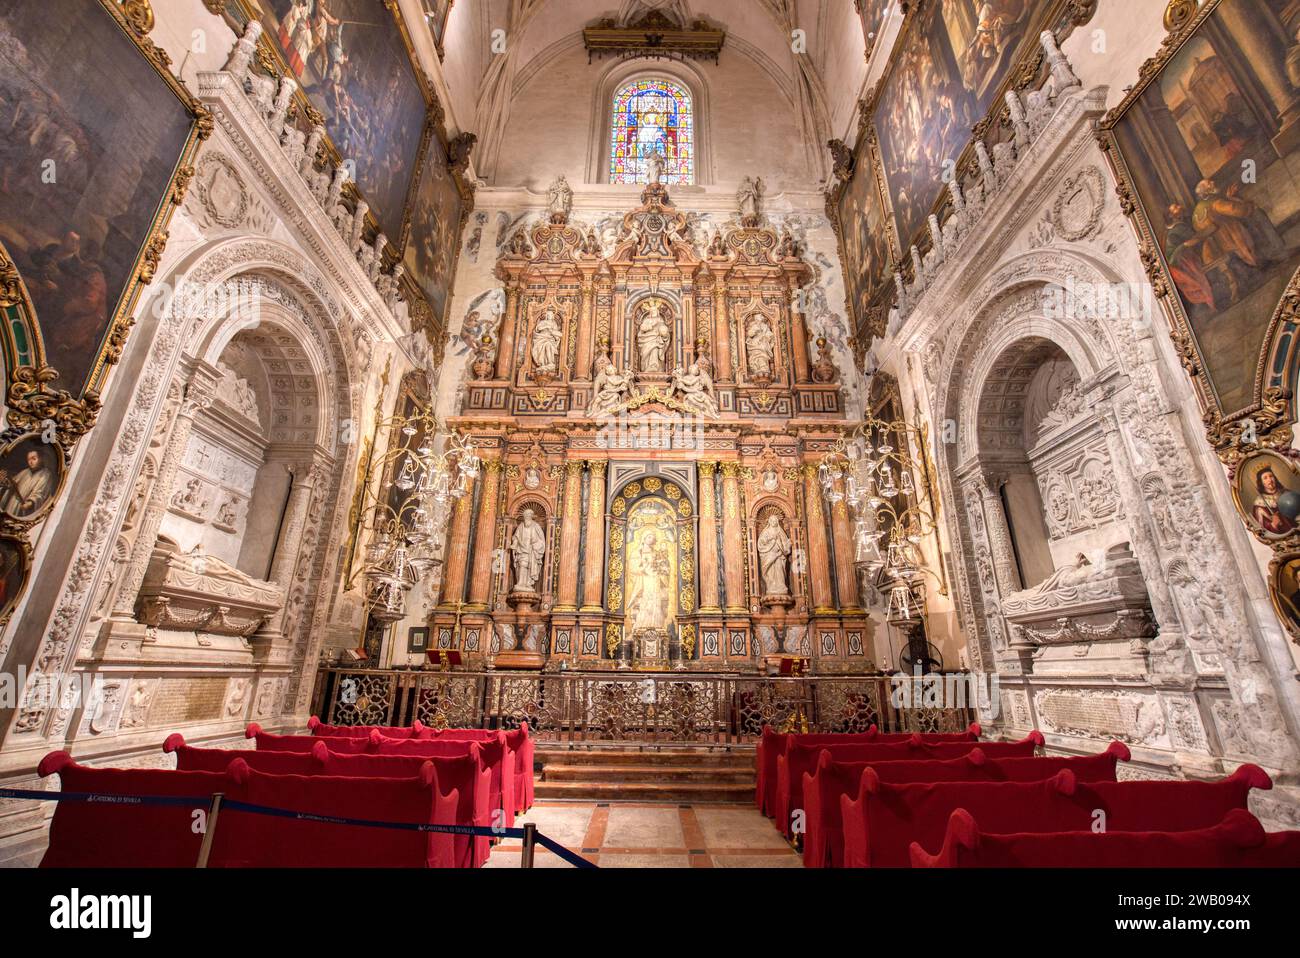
[[652, 116]]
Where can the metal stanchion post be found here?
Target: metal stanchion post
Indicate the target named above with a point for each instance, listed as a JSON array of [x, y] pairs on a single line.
[[530, 844], [210, 829]]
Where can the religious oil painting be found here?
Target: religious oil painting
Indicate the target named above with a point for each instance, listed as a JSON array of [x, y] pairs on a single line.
[[93, 135], [431, 252], [651, 567], [1286, 594], [1267, 490], [351, 60], [872, 14], [1211, 146], [950, 68], [652, 116], [868, 257], [14, 568], [31, 472]]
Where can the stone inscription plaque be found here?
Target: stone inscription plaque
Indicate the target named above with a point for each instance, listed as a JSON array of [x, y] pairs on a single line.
[[187, 700]]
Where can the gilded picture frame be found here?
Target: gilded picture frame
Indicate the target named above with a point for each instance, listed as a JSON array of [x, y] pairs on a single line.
[[31, 381], [1261, 396]]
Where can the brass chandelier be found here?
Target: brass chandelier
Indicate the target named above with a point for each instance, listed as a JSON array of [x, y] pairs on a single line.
[[873, 469], [426, 469]]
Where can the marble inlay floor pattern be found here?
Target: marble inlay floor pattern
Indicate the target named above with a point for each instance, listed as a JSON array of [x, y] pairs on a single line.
[[653, 836]]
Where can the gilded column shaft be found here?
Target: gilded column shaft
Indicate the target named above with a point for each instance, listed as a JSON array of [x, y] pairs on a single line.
[[819, 567], [480, 583], [570, 534], [509, 323], [594, 555], [586, 331], [457, 551], [708, 539], [722, 333], [733, 534], [846, 571]]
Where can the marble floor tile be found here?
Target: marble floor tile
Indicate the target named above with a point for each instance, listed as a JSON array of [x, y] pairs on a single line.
[[644, 827], [737, 828]]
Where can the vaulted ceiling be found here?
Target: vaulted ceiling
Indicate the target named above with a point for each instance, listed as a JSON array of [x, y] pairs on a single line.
[[822, 85]]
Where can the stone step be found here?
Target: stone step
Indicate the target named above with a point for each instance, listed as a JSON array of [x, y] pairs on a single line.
[[607, 757], [668, 774], [686, 794]]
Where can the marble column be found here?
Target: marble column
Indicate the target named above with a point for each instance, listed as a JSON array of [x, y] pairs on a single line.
[[722, 371], [302, 483], [593, 581], [733, 534], [846, 570], [586, 329], [708, 539], [819, 566], [506, 340], [995, 518], [199, 393], [485, 535], [457, 551], [570, 534]]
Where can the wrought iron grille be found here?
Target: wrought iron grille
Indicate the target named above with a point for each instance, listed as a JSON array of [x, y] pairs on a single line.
[[645, 710]]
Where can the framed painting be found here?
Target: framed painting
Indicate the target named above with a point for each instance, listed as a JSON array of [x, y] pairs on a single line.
[[950, 68], [1206, 148], [98, 149], [1266, 488], [15, 566], [437, 13], [31, 477], [438, 211], [867, 248], [353, 62], [417, 640], [872, 13]]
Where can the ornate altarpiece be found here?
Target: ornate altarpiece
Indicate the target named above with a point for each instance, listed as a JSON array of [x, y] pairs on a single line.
[[589, 406]]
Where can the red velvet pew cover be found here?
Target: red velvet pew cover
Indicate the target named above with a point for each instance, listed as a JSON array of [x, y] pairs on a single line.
[[894, 816], [832, 784], [495, 754], [106, 835], [1239, 841], [771, 744], [277, 841], [316, 727], [790, 768]]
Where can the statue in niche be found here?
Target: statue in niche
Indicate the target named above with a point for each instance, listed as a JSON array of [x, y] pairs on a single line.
[[774, 549], [695, 386], [528, 546], [749, 201], [1069, 406], [612, 388], [655, 165], [561, 196], [546, 344], [760, 349], [650, 579], [652, 337], [716, 246]]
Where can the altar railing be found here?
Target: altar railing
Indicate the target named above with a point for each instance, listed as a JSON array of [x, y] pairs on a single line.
[[656, 710]]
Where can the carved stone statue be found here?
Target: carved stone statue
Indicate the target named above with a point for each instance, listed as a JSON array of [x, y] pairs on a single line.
[[749, 201], [695, 386], [612, 388], [774, 557], [528, 546], [561, 200], [652, 336], [546, 345], [655, 166], [760, 349]]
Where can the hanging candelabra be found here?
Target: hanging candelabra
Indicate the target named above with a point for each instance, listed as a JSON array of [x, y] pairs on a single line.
[[426, 469], [873, 470]]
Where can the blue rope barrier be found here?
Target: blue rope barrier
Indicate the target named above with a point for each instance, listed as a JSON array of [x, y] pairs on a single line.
[[228, 804], [575, 860]]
